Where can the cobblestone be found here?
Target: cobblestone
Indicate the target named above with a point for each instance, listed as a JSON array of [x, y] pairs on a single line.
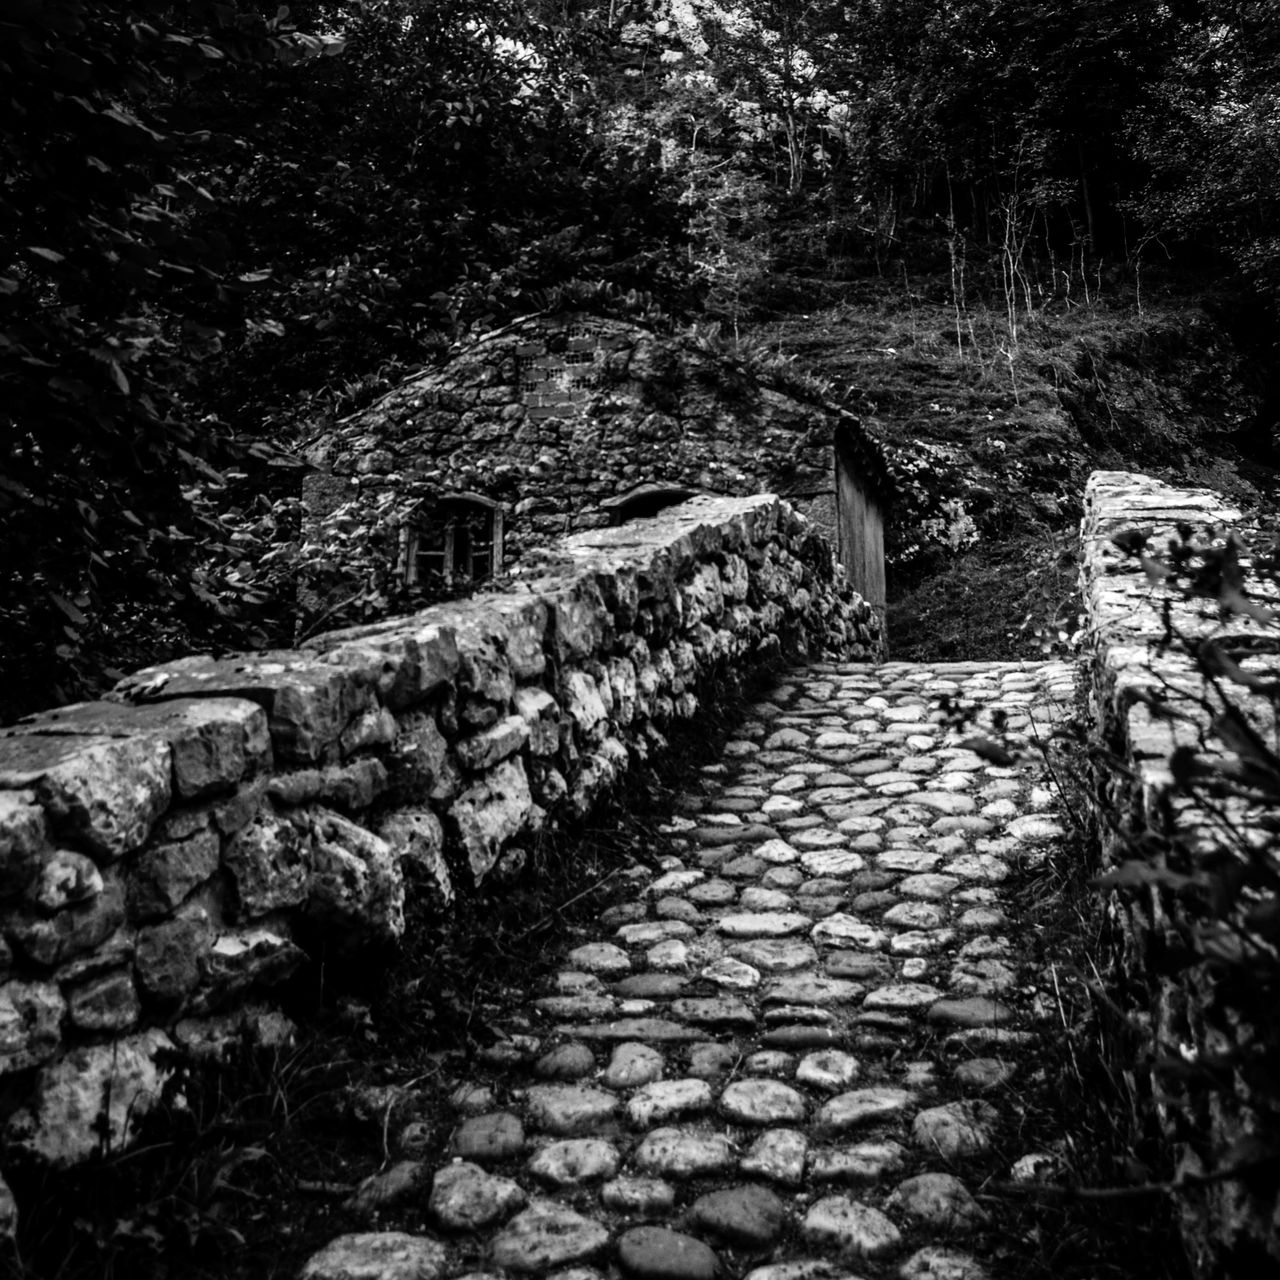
[[787, 1055]]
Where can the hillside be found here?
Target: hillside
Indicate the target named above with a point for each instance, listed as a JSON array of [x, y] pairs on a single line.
[[993, 452]]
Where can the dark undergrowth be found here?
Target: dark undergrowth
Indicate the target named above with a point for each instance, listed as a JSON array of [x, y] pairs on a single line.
[[1101, 1212]]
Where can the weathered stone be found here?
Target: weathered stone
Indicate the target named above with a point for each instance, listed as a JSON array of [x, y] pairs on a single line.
[[541, 715], [811, 989], [599, 957], [802, 1036], [667, 1099], [646, 932], [976, 1011], [378, 1255], [863, 1106], [779, 1155], [355, 892], [164, 875], [632, 1065], [936, 1263], [956, 1129], [842, 930], [669, 955], [382, 1190], [90, 1098], [65, 879], [496, 1136], [416, 838], [657, 1030], [53, 940], [852, 1229], [762, 1102], [763, 924], [857, 1162], [569, 1108], [644, 1196], [727, 972], [487, 748], [575, 1161], [546, 1235], [902, 996], [170, 957], [829, 1070], [655, 1253], [746, 1216], [236, 961], [108, 1002], [353, 786], [650, 986], [23, 838], [984, 1073], [270, 865], [684, 1153], [714, 1011], [566, 1062], [939, 1200], [710, 1061], [490, 814], [775, 956], [30, 1024], [104, 793]]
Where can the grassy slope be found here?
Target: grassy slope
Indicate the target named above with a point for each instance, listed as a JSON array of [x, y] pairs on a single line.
[[1105, 383]]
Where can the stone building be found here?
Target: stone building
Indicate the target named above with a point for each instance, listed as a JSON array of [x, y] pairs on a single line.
[[557, 424]]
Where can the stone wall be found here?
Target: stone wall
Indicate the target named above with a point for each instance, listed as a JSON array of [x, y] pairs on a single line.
[[556, 418], [170, 855], [1147, 701]]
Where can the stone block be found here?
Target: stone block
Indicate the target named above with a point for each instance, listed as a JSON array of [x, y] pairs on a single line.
[[403, 660], [23, 838], [31, 1016], [356, 889], [170, 957], [490, 814], [163, 875], [53, 940], [91, 1100], [102, 793], [485, 749], [66, 878], [352, 786], [270, 864], [420, 765], [106, 1003], [308, 701], [416, 837], [215, 741], [580, 623], [237, 961], [581, 699], [541, 715]]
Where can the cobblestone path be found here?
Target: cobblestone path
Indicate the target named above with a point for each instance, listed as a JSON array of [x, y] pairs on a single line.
[[786, 1055]]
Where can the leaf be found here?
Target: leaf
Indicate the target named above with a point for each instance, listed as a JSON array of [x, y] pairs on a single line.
[[118, 376], [1156, 570], [1234, 600], [69, 609], [1131, 541], [7, 285], [991, 751], [49, 255]]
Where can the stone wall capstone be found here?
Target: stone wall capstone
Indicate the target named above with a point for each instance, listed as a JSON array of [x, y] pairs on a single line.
[[172, 853], [1148, 699]]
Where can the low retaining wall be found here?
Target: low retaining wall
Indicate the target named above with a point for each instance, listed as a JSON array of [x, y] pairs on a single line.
[[170, 854], [1149, 700]]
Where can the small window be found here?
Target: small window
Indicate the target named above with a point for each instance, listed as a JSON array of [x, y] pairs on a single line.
[[457, 539]]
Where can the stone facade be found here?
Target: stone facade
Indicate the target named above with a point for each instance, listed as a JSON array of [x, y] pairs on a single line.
[[1148, 700], [169, 855], [558, 424]]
